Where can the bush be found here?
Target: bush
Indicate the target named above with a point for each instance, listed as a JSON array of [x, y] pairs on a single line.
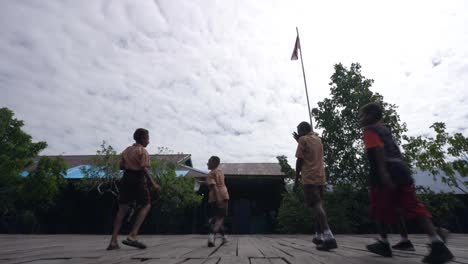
[[442, 205], [173, 207], [293, 216]]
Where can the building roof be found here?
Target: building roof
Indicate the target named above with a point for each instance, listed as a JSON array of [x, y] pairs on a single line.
[[76, 160], [192, 171], [76, 163], [251, 169]]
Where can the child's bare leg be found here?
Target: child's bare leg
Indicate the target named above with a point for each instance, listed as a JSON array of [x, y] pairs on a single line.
[[429, 228], [321, 218], [118, 223], [382, 229], [218, 224], [402, 228], [139, 221]]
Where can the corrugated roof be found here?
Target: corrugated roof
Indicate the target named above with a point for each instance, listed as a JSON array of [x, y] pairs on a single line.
[[251, 169], [76, 160], [193, 172]]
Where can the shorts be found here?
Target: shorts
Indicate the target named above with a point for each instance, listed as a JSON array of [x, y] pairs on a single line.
[[386, 204], [219, 210], [313, 194], [133, 187]]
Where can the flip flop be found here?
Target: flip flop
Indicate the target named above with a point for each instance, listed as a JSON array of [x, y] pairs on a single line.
[[134, 243], [112, 247]]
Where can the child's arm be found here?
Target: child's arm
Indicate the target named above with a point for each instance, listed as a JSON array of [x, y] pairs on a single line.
[[151, 180], [299, 163], [379, 158]]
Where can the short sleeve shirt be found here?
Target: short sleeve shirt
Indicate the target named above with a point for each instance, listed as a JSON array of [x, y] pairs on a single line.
[[399, 172], [310, 150], [372, 140], [136, 158], [216, 177]]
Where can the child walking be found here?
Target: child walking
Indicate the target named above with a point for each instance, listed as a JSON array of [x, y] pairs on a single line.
[[310, 169], [218, 200], [392, 187], [135, 162]]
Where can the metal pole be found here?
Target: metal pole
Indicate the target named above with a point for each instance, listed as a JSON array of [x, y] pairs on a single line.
[[305, 82]]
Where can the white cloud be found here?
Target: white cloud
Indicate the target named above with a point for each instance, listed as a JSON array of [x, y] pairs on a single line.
[[209, 77]]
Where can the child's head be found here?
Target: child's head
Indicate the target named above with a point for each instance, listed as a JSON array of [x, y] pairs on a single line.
[[213, 162], [303, 128], [141, 136], [370, 113]]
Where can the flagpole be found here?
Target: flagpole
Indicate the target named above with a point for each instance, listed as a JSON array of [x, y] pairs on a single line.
[[305, 82]]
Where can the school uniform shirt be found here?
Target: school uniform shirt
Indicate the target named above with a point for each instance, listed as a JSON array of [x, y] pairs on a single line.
[[135, 158], [310, 150], [380, 136], [216, 177]]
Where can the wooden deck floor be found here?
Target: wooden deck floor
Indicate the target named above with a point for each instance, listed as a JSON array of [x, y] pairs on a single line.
[[192, 249]]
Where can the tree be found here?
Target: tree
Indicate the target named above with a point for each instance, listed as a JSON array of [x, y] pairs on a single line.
[[344, 208], [444, 153], [293, 216], [338, 117], [177, 196], [42, 186], [103, 172], [17, 152]]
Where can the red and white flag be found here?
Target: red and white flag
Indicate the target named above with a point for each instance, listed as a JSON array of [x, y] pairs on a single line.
[[297, 46]]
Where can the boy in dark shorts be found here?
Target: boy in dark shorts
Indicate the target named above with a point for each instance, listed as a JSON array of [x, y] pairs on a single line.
[[392, 187], [310, 170], [135, 162], [218, 200]]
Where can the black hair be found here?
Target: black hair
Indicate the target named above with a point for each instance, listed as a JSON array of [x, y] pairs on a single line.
[[304, 126], [139, 134], [373, 109], [216, 160]]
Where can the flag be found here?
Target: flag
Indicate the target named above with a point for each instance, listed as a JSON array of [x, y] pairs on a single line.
[[297, 46]]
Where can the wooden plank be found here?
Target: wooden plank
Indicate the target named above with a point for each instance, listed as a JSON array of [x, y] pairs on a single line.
[[277, 261], [229, 249], [194, 261], [247, 249], [234, 260], [162, 261], [362, 255], [353, 243], [259, 261], [277, 249]]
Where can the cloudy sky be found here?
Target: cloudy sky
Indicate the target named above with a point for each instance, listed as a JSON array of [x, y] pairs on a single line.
[[215, 77]]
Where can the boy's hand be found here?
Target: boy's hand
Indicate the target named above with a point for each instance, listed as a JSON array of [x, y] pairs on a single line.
[[157, 188], [296, 184], [295, 136]]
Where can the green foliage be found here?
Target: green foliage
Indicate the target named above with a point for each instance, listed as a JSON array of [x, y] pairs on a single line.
[[41, 188], [346, 208], [177, 196], [293, 216], [285, 167], [16, 153], [103, 173], [441, 205], [338, 117], [444, 153]]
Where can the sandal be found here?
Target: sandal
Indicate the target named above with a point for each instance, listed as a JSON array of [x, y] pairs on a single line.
[[134, 243]]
